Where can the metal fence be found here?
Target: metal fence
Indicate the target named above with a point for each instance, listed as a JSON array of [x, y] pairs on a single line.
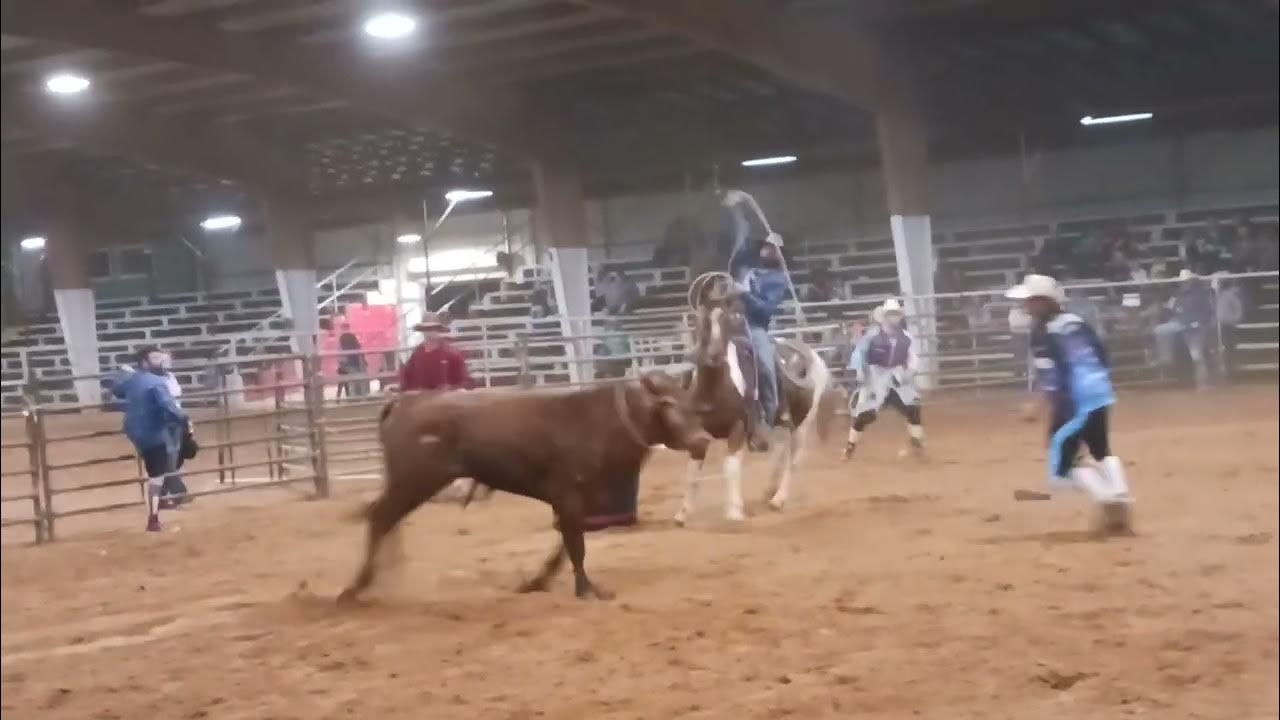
[[284, 421]]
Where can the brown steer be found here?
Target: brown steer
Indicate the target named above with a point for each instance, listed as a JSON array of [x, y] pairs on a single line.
[[558, 446]]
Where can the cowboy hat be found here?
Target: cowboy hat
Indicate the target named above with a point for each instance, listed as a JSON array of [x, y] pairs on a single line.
[[431, 321], [1035, 286]]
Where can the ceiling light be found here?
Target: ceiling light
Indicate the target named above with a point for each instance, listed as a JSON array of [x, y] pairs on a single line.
[[1108, 119], [775, 160], [390, 26], [65, 83], [221, 222], [32, 243], [457, 196], [408, 238]]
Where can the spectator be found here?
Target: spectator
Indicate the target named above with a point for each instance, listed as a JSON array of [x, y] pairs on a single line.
[[351, 362], [435, 365], [1204, 255], [1079, 303], [152, 422], [1192, 316], [1230, 301], [540, 303], [616, 293], [615, 345], [822, 286]]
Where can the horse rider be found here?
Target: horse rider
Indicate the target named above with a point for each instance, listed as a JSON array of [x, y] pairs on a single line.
[[884, 365], [762, 286]]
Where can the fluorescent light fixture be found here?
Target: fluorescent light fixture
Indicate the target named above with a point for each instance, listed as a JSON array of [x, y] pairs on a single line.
[[220, 222], [66, 83], [32, 243], [408, 238], [1109, 119], [390, 26], [457, 196], [775, 160]]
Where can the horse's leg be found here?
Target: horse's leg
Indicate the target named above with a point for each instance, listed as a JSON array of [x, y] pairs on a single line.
[[733, 509], [791, 455], [693, 474]]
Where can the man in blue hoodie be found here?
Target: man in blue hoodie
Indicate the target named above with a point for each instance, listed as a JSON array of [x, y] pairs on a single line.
[[762, 286], [152, 422]]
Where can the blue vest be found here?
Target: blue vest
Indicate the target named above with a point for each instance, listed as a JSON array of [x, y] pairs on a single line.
[[887, 349]]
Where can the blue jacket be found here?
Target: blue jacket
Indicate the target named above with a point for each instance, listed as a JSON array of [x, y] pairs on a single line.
[[1073, 366], [766, 287], [150, 412]]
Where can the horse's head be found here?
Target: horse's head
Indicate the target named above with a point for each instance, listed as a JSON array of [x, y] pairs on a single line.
[[717, 318]]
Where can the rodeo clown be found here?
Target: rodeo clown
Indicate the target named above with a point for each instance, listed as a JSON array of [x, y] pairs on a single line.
[[1076, 379], [884, 364]]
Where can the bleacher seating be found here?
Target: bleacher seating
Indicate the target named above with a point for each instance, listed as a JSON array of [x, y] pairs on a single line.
[[865, 268]]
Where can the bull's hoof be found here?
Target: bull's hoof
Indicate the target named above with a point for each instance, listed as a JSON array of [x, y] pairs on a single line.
[[532, 586], [593, 592]]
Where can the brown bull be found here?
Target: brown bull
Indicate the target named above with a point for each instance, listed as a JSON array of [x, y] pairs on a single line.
[[558, 446]]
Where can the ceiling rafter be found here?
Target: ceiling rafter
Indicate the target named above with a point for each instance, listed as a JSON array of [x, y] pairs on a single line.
[[212, 151], [484, 113], [844, 62]]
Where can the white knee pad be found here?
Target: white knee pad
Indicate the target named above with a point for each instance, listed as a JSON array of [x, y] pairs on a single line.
[[853, 436]]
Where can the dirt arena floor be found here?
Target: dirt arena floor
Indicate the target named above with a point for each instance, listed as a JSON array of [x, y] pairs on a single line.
[[890, 589]]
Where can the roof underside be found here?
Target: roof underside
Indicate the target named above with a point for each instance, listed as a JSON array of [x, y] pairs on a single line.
[[642, 105]]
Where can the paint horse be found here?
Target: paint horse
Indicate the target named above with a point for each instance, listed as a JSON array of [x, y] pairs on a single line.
[[721, 388]]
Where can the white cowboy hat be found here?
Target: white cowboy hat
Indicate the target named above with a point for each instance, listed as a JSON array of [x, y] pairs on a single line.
[[891, 305], [1035, 286], [1186, 274]]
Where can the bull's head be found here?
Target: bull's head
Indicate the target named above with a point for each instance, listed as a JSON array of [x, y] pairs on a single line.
[[657, 411]]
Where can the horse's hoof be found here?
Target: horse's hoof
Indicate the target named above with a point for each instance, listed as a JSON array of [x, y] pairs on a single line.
[[777, 505], [735, 516], [680, 519], [346, 598]]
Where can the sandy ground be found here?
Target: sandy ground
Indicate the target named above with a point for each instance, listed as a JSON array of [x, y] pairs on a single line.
[[889, 589]]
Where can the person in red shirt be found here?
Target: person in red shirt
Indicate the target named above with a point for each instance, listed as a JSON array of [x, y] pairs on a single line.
[[435, 364]]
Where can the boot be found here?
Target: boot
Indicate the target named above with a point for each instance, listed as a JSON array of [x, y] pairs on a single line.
[[849, 449], [153, 523]]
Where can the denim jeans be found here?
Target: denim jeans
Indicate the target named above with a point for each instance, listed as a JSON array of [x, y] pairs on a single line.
[[767, 383], [1166, 337]]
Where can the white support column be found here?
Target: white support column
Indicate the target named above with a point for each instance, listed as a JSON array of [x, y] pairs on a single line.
[[913, 251], [299, 297], [77, 315], [571, 277]]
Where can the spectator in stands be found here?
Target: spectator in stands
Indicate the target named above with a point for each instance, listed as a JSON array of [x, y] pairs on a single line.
[[1192, 317], [351, 362], [616, 293], [1231, 304], [822, 286], [615, 345], [1118, 267], [1086, 256], [151, 417], [1079, 303], [435, 365], [540, 302], [1204, 255]]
